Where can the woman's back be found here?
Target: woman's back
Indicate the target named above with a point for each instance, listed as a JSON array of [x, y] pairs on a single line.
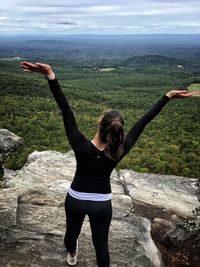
[[93, 169]]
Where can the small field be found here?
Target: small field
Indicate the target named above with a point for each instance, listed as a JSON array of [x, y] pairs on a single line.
[[105, 69], [195, 87]]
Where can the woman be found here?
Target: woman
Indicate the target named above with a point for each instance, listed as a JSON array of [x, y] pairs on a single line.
[[90, 191]]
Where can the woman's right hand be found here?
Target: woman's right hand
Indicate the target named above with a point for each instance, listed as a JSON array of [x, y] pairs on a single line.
[[37, 67], [179, 94]]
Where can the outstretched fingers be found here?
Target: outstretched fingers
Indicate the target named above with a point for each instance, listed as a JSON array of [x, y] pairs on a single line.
[[186, 94], [28, 64], [31, 67], [25, 68]]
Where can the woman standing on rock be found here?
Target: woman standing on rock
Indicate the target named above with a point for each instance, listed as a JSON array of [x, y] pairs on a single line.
[[90, 191]]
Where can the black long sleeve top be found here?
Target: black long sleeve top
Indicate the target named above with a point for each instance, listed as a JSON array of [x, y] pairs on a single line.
[[93, 167]]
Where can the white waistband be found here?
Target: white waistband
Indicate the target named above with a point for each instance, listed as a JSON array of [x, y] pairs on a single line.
[[89, 196]]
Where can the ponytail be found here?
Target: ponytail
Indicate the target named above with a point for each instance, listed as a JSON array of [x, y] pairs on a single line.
[[115, 138], [111, 132]]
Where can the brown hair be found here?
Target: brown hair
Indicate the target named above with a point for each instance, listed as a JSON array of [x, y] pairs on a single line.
[[111, 132]]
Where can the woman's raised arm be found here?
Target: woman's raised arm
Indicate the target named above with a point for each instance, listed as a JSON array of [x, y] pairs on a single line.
[[74, 135], [139, 126]]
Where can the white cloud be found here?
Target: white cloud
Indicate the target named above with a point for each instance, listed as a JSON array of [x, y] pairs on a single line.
[[3, 18], [118, 16], [103, 8]]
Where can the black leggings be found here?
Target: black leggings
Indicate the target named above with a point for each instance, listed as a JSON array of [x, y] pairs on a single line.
[[100, 214]]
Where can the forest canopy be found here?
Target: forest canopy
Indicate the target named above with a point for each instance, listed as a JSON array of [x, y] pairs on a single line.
[[170, 144]]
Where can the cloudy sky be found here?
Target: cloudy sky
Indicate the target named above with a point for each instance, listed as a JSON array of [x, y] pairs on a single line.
[[104, 17]]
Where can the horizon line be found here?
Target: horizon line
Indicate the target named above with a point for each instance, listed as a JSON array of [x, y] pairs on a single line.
[[94, 34]]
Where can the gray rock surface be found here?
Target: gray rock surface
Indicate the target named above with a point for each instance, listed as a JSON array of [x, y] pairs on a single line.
[[9, 142], [161, 194], [32, 219]]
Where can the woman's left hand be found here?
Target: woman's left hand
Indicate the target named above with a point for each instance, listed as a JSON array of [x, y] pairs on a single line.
[[179, 94], [36, 67]]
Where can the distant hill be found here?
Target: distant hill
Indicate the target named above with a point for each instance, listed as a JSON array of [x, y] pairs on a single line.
[[103, 48], [152, 60]]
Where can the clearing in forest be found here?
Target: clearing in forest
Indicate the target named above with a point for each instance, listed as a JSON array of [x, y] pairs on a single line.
[[194, 87]]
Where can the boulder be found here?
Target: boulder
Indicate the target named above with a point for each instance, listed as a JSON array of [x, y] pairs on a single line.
[[157, 195], [9, 142]]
